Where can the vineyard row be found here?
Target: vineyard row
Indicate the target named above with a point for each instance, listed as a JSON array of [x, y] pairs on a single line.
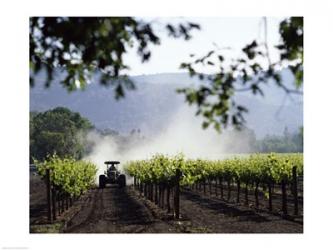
[[66, 180], [162, 174]]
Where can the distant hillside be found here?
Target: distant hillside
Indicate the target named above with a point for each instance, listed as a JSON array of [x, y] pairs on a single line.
[[154, 103]]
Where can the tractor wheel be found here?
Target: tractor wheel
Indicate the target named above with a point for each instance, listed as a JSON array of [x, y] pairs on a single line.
[[102, 181], [122, 180]]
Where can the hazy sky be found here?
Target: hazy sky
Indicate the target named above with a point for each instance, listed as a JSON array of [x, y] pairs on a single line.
[[234, 32]]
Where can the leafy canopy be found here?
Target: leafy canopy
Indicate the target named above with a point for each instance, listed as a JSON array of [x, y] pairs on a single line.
[[80, 46], [215, 96], [57, 131]]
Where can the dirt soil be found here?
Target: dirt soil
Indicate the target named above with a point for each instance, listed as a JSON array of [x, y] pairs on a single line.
[[38, 204], [115, 210], [213, 215]]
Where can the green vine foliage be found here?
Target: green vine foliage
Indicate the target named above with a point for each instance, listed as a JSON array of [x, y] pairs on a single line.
[[254, 168], [68, 175]]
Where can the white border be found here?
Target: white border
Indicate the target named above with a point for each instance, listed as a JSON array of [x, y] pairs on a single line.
[[14, 123]]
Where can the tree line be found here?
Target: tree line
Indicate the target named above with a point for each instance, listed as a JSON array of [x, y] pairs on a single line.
[[64, 132], [59, 131]]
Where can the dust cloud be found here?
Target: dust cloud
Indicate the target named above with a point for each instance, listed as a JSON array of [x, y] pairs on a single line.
[[183, 134]]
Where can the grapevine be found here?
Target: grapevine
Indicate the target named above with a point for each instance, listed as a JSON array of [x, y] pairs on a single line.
[[68, 175]]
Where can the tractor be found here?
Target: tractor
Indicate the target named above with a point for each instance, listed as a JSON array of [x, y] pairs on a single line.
[[112, 175]]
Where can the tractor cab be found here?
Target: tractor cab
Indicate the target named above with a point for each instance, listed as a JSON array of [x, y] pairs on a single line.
[[112, 175], [111, 170]]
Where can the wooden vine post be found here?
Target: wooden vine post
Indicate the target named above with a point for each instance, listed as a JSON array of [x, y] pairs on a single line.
[[48, 195], [54, 202], [140, 188], [168, 199], [176, 194], [162, 195], [295, 193], [67, 201], [62, 202], [229, 190], [152, 192], [270, 206], [145, 190], [216, 188], [156, 194], [246, 193], [221, 186], [256, 193], [204, 185], [284, 197], [58, 202], [159, 196], [238, 190]]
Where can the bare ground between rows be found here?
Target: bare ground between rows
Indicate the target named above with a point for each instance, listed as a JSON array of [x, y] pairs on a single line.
[[263, 201], [116, 210], [37, 199], [216, 216], [111, 210]]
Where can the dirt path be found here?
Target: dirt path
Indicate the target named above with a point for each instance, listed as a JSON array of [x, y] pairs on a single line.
[[38, 204], [114, 210], [215, 216]]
